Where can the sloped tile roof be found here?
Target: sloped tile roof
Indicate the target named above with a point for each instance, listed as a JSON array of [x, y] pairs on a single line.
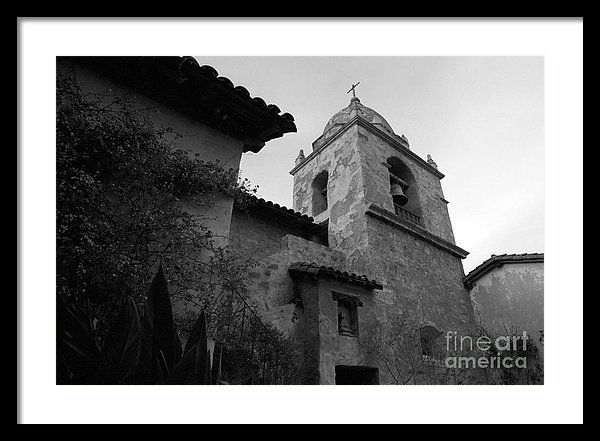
[[498, 260], [254, 200], [330, 272], [240, 91], [272, 212], [198, 91]]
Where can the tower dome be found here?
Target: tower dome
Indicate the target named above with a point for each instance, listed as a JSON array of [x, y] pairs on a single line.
[[356, 109]]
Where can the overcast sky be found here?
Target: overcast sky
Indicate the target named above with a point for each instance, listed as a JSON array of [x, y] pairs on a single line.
[[481, 118]]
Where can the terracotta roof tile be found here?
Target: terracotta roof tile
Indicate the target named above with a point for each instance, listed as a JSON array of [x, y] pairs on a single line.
[[325, 271], [256, 201], [498, 260], [199, 91]]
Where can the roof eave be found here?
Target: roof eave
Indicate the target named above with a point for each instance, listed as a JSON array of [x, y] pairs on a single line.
[[330, 273], [499, 261], [198, 91]]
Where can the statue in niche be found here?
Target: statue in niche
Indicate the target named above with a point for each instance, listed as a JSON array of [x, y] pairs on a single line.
[[344, 321]]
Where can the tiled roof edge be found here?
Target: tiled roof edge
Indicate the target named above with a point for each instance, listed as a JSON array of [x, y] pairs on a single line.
[[181, 82], [256, 201], [314, 268], [498, 260]]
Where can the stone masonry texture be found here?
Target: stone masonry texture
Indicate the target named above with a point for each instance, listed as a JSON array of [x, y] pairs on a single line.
[[418, 277]]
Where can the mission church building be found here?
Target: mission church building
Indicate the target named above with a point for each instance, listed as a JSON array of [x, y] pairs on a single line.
[[368, 240], [378, 244]]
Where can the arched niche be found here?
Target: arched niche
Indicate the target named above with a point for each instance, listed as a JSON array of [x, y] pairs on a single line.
[[319, 193], [429, 336], [400, 175]]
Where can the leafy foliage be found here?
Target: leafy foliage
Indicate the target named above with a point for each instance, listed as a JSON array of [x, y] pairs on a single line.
[[134, 353], [254, 352], [525, 348], [399, 348], [125, 201], [128, 199]]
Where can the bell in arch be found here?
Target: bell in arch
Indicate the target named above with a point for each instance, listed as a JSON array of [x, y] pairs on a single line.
[[398, 194]]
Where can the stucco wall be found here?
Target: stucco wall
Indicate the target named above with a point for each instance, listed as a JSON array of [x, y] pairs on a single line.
[[511, 296], [202, 141], [343, 350]]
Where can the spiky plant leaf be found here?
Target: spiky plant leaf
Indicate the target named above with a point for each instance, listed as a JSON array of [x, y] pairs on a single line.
[[159, 372], [177, 345], [78, 353], [207, 369], [121, 352], [158, 325], [164, 368], [192, 369], [146, 370], [197, 333], [216, 363]]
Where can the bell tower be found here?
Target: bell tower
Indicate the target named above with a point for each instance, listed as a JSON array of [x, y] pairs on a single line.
[[386, 212], [359, 164]]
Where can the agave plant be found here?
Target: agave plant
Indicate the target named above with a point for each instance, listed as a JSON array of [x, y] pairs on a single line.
[[138, 350]]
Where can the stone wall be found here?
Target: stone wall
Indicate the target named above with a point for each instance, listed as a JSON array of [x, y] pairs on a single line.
[[346, 196], [374, 152], [426, 284], [420, 280], [269, 284], [418, 277], [358, 175], [259, 235], [342, 350], [273, 294]]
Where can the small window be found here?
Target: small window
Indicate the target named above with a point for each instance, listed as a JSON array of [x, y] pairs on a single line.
[[347, 314]]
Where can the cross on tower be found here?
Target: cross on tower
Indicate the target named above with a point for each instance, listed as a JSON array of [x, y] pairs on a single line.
[[353, 89]]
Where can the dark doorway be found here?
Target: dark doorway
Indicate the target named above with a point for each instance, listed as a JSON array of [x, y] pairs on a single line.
[[353, 375]]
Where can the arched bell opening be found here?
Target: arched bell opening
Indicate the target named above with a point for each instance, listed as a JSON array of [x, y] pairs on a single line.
[[404, 191], [319, 193]]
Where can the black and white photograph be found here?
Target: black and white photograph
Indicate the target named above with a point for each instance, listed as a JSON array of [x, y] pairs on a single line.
[[227, 226]]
